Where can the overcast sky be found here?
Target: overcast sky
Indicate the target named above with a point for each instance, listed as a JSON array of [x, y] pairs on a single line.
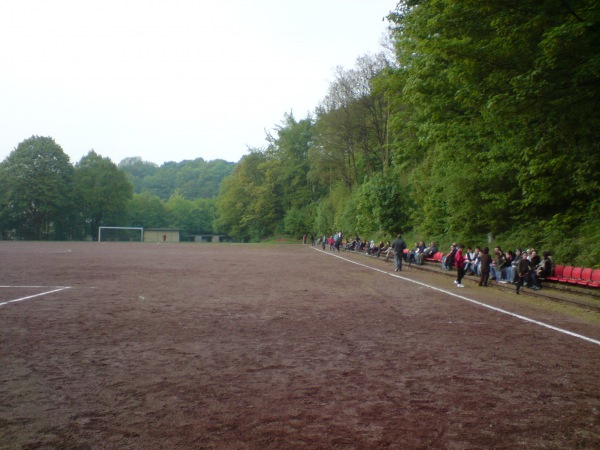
[[172, 80]]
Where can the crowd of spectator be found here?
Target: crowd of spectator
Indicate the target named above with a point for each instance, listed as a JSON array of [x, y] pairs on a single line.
[[522, 268], [519, 267]]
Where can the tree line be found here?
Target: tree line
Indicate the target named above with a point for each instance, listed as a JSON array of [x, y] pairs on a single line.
[[479, 124], [482, 126], [44, 197]]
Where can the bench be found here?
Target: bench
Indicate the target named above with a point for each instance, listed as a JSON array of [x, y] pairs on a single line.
[[437, 257], [577, 276]]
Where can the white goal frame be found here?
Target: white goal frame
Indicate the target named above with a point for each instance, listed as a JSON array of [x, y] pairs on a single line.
[[120, 228]]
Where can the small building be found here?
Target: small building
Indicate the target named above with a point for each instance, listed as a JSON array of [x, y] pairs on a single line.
[[210, 238], [159, 235]]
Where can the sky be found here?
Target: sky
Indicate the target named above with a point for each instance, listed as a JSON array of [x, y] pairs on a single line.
[[176, 80]]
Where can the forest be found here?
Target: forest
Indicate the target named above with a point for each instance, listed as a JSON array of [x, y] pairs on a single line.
[[44, 197], [478, 122]]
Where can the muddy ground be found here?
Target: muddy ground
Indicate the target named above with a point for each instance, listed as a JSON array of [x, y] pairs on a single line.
[[279, 346]]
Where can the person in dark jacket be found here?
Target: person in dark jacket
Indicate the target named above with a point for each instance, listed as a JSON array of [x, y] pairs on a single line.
[[398, 246], [523, 269], [448, 260], [544, 268], [485, 260]]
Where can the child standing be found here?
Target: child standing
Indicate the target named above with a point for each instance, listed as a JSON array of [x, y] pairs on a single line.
[[459, 262]]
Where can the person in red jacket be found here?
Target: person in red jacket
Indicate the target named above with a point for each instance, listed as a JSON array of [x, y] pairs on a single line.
[[459, 262]]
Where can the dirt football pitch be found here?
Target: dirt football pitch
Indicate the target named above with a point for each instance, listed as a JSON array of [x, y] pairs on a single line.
[[225, 346]]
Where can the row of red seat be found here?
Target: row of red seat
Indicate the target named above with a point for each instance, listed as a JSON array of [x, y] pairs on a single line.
[[437, 257], [579, 276]]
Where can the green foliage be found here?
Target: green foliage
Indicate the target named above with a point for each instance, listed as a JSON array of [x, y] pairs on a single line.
[[248, 206], [495, 116], [351, 142], [102, 192], [384, 205], [324, 221], [147, 210], [297, 223], [36, 191], [485, 126], [191, 217], [191, 179]]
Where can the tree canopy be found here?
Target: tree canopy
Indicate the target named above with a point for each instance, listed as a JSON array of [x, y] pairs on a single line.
[[481, 125], [35, 190]]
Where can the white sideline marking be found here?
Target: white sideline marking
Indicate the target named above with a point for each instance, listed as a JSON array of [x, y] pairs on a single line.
[[12, 286], [462, 297], [32, 296]]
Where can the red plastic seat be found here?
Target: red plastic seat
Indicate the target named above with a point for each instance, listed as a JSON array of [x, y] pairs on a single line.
[[558, 273], [566, 276], [586, 277], [595, 283], [437, 257], [575, 275]]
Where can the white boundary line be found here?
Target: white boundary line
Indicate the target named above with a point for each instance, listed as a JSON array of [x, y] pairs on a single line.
[[470, 300], [33, 296], [17, 287]]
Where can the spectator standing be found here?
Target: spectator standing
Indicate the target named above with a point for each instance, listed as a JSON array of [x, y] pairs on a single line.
[[459, 262], [512, 270], [523, 270], [485, 260], [398, 246], [338, 240]]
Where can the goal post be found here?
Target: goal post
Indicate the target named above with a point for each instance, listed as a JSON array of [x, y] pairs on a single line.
[[120, 234]]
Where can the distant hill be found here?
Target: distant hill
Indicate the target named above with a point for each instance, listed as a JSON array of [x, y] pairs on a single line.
[[192, 179]]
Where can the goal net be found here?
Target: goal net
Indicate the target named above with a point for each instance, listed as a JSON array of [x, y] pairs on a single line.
[[120, 234]]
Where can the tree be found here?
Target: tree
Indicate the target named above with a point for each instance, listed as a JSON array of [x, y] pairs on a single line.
[[384, 204], [352, 124], [191, 217], [103, 193], [290, 149], [248, 206], [35, 190], [137, 170], [147, 210], [503, 98], [192, 179]]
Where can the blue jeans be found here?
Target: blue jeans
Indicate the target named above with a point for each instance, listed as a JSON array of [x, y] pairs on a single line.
[[498, 274]]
